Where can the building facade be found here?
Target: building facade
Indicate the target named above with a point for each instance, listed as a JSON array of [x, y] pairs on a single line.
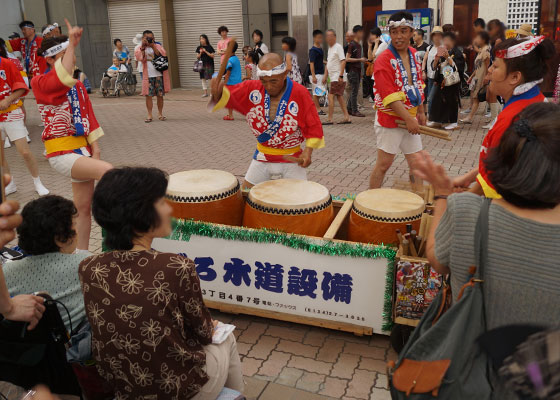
[[179, 23]]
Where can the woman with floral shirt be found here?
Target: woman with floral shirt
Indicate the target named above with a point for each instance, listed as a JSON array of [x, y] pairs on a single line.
[[151, 332]]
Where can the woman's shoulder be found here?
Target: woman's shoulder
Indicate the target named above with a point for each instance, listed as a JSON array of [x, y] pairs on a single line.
[[465, 203]]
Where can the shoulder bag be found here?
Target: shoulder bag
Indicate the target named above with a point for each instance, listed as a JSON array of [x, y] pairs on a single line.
[[450, 75], [161, 63], [442, 359]]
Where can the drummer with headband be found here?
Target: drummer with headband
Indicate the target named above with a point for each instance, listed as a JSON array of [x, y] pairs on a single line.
[[399, 94], [279, 138]]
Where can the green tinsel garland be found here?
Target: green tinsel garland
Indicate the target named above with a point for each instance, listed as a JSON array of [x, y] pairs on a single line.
[[184, 229]]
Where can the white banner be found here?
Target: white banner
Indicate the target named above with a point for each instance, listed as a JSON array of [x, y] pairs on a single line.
[[277, 278]]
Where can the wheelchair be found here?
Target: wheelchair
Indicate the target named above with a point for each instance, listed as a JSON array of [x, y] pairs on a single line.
[[126, 81]]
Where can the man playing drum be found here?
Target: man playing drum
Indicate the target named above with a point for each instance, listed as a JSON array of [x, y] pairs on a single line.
[[279, 138], [399, 94]]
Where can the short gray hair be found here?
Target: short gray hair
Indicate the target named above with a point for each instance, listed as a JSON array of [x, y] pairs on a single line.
[[331, 30]]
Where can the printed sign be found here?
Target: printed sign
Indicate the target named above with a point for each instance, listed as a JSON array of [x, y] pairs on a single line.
[[417, 285], [277, 278]]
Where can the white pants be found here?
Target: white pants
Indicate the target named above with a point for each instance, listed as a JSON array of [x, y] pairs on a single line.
[[63, 164], [204, 84], [260, 171], [223, 367]]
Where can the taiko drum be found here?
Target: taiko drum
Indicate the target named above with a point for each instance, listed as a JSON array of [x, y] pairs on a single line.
[[289, 205], [206, 195], [378, 213]]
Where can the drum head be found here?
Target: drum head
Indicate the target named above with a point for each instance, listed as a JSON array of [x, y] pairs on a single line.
[[289, 194], [200, 183], [389, 204]]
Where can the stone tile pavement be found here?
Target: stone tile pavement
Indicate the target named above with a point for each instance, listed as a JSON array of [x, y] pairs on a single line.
[[280, 360]]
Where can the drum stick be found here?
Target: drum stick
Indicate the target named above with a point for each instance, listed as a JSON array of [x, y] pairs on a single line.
[[405, 247], [227, 55], [408, 228], [418, 242], [431, 195], [399, 235], [423, 222], [422, 248], [413, 237], [292, 159], [437, 133], [413, 251]]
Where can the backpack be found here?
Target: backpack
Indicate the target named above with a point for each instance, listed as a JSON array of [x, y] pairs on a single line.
[[442, 359]]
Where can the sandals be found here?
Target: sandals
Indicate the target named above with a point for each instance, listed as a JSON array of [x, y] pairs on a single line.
[[344, 123], [328, 123], [148, 120], [465, 121], [228, 118], [162, 118]]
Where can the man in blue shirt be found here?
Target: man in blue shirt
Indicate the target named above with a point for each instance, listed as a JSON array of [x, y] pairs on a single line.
[[233, 76], [317, 69]]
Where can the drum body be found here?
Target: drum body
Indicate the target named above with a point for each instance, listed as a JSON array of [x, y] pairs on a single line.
[[289, 205], [206, 195], [378, 213]]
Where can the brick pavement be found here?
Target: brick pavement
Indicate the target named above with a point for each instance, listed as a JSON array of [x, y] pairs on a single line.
[[280, 360]]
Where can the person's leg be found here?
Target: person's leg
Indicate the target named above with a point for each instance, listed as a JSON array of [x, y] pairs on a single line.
[[331, 107], [474, 109], [293, 171], [149, 107], [87, 168], [316, 101], [105, 83], [113, 83], [343, 107], [160, 107], [83, 193], [24, 150], [351, 103], [204, 87], [416, 183], [235, 373], [230, 113], [382, 165]]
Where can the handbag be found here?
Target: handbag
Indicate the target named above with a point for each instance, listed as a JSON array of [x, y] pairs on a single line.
[[450, 75], [482, 93], [442, 359], [198, 66], [161, 63]]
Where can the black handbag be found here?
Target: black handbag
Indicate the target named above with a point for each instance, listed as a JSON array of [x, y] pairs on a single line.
[[482, 94], [161, 63]]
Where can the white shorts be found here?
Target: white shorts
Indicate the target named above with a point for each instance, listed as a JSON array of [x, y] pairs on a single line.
[[390, 140], [260, 171], [63, 164], [15, 130]]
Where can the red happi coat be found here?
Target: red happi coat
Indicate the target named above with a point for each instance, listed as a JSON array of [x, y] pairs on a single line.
[[37, 64]]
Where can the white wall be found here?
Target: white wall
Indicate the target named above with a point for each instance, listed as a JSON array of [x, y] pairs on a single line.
[[491, 9], [448, 12], [393, 4], [354, 15], [335, 19], [10, 17]]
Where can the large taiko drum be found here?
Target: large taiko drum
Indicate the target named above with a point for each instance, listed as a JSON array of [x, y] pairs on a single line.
[[378, 213], [289, 205], [206, 195]]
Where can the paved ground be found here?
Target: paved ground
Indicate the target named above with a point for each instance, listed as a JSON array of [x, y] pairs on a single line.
[[281, 360]]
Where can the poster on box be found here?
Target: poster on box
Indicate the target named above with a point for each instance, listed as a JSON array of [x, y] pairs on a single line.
[[417, 284], [276, 278]]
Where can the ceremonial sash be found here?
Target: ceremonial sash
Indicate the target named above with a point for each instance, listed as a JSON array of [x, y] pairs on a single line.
[[66, 143], [76, 110], [273, 126], [411, 90], [28, 54]]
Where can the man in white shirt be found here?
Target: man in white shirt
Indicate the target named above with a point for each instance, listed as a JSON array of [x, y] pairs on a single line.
[[336, 63]]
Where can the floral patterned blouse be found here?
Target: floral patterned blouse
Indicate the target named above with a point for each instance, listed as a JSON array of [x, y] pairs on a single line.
[[148, 323]]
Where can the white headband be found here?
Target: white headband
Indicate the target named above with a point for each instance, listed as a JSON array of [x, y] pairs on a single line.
[[50, 28], [53, 51], [402, 22], [279, 69], [520, 49]]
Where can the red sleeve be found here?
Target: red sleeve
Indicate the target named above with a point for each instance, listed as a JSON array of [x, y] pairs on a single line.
[[384, 77], [239, 95], [15, 44], [15, 79], [309, 122], [51, 88]]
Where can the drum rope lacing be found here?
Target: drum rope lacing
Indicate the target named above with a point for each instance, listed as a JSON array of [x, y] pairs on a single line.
[[386, 219], [202, 199], [271, 210]]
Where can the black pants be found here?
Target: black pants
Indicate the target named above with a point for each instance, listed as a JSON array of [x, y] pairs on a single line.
[[354, 78], [367, 87]]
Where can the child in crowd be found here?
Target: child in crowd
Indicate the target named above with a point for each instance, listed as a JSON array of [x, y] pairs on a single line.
[[291, 60], [233, 76], [251, 62]]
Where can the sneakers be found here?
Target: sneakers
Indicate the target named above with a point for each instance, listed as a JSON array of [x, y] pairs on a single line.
[[7, 143], [39, 187], [28, 139], [488, 114], [433, 124], [357, 114], [467, 111], [204, 95], [452, 126], [11, 188]]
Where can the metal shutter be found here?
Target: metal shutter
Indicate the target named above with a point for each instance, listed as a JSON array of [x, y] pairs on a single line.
[[195, 17], [129, 17]]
